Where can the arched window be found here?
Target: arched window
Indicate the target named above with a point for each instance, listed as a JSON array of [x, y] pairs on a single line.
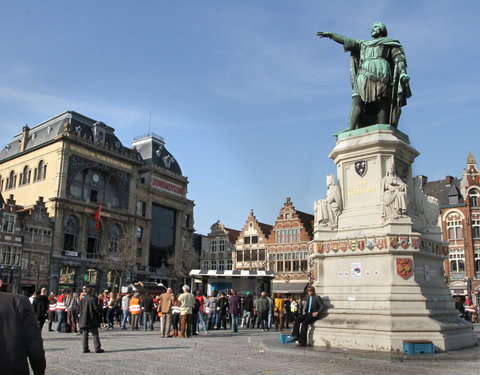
[[93, 240], [40, 172], [474, 194], [25, 175], [454, 227], [115, 234], [11, 180], [70, 233]]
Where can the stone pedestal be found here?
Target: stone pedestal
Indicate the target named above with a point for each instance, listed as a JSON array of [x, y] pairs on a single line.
[[382, 276]]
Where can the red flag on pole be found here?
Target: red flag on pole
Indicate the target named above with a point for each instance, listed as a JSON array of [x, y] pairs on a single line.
[[97, 216]]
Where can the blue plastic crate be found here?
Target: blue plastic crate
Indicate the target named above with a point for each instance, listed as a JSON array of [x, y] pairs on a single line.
[[285, 338], [418, 347]]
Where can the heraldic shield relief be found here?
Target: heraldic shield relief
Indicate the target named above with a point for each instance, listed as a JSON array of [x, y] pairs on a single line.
[[404, 267], [361, 167]]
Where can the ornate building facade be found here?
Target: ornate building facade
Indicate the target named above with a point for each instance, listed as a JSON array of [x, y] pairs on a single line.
[[251, 245], [459, 201], [287, 248], [219, 251], [79, 165]]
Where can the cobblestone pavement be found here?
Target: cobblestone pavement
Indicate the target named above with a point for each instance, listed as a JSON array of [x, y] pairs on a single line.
[[246, 352]]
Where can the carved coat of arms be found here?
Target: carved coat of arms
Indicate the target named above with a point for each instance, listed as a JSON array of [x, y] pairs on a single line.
[[361, 167], [404, 242], [404, 267]]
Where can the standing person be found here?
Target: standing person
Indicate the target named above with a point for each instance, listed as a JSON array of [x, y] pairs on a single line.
[[279, 312], [247, 310], [40, 305], [112, 302], [255, 317], [20, 336], [200, 319], [186, 300], [71, 304], [134, 308], [125, 309], [212, 310], [117, 312], [148, 312], [222, 305], [293, 308], [61, 315], [175, 316], [165, 304], [234, 306], [262, 311], [52, 308], [288, 313], [313, 307], [90, 314], [271, 304]]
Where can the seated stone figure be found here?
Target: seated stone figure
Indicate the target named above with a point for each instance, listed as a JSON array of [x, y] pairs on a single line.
[[394, 201], [328, 209]]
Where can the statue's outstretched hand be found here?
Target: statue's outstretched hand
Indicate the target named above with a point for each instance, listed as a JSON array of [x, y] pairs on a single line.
[[324, 34], [404, 78]]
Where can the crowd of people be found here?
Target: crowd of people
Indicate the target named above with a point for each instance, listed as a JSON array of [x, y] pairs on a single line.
[[134, 311]]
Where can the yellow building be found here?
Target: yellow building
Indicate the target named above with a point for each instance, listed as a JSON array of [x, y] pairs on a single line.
[[78, 164]]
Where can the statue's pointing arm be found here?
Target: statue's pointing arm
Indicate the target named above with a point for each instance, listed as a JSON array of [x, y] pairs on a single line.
[[336, 37]]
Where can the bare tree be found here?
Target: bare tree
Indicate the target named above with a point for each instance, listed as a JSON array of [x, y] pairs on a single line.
[[120, 259], [181, 263]]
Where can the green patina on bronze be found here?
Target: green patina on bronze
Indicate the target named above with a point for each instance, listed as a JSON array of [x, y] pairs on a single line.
[[370, 129], [379, 78]]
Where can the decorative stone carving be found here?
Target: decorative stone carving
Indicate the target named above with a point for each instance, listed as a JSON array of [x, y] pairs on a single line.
[[424, 207], [328, 209], [394, 199]]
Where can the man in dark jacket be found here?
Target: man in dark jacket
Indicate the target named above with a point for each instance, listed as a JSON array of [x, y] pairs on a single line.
[[148, 311], [234, 306], [19, 336], [247, 310], [262, 310], [222, 305], [40, 305], [312, 309], [89, 320]]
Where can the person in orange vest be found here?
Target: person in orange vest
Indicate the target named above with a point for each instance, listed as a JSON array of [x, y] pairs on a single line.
[[61, 314], [134, 308]]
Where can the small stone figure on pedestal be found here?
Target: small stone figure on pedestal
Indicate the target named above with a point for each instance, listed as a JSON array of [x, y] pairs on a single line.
[[394, 200], [327, 210]]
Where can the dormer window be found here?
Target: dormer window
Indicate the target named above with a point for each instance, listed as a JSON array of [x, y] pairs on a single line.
[[452, 199]]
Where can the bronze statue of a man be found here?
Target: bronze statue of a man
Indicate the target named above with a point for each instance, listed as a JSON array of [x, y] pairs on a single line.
[[379, 79]]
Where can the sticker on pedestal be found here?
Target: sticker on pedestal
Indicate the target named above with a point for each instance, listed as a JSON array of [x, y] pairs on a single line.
[[356, 270]]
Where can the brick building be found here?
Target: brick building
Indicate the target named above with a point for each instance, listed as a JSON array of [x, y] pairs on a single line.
[[251, 245], [459, 201], [287, 248]]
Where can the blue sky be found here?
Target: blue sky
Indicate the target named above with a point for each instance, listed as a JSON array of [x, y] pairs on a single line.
[[245, 94]]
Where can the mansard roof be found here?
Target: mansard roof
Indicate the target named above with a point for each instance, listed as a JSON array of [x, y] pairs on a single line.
[[69, 122], [151, 148]]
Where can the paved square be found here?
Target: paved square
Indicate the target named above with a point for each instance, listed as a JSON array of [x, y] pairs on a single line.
[[247, 352]]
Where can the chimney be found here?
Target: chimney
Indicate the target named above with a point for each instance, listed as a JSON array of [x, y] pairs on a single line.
[[23, 143], [449, 180]]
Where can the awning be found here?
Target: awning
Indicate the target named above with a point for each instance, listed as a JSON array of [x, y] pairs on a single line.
[[288, 287], [231, 273]]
